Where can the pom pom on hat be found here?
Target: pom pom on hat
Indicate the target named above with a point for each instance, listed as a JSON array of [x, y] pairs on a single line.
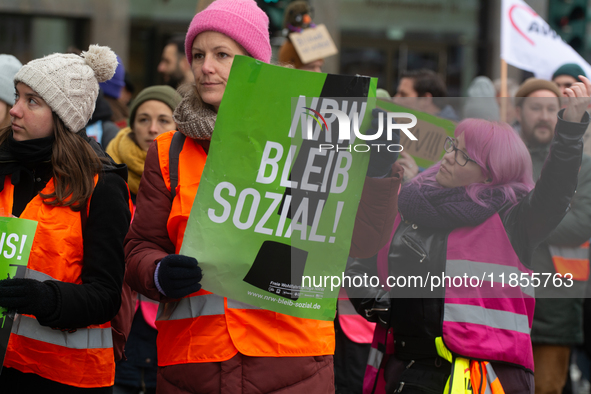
[[102, 60], [241, 20], [69, 83]]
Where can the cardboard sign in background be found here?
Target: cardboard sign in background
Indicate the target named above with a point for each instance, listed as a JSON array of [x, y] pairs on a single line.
[[430, 131], [313, 43], [430, 139]]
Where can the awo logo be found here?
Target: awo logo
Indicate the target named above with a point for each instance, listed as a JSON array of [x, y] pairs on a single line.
[[315, 123]]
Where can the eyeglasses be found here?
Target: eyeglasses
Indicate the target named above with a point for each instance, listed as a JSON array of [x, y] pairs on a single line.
[[450, 146]]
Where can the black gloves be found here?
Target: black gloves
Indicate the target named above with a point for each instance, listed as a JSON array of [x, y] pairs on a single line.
[[381, 161], [179, 275], [29, 296]]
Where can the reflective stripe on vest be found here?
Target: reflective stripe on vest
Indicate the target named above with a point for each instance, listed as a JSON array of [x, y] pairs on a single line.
[[239, 305], [143, 298], [83, 358], [574, 261], [203, 327], [375, 358], [462, 313], [84, 338], [191, 307], [195, 306], [382, 347], [477, 318]]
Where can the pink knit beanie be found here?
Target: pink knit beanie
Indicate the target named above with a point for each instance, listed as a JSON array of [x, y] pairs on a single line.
[[241, 20]]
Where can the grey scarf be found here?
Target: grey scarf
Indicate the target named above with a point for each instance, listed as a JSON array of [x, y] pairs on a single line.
[[194, 120]]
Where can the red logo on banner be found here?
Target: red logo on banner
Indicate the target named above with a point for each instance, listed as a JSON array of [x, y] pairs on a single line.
[[513, 22]]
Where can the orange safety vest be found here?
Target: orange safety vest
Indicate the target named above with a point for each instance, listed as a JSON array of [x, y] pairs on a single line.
[[205, 327], [484, 379], [83, 358], [574, 261]]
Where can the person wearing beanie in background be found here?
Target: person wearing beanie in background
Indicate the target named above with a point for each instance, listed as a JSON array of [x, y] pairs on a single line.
[[485, 106], [112, 91], [52, 173], [150, 116], [9, 66], [558, 318], [566, 75], [211, 344]]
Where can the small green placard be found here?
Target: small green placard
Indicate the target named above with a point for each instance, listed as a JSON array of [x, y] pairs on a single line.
[[430, 132], [16, 240]]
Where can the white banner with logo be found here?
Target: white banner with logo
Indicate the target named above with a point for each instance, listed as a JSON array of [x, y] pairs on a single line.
[[529, 43]]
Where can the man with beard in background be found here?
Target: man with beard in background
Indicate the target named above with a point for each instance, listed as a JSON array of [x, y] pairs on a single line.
[[173, 66], [557, 325]]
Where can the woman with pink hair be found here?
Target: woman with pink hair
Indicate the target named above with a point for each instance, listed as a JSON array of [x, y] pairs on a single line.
[[457, 286]]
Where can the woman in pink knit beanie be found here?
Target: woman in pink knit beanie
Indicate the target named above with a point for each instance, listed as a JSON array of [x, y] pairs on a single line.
[[224, 29], [208, 343]]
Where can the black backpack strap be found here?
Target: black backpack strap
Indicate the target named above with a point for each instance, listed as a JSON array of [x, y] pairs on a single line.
[[176, 146], [83, 217]]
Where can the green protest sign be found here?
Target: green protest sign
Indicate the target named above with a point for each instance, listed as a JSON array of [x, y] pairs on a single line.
[[430, 132], [274, 214], [16, 240]]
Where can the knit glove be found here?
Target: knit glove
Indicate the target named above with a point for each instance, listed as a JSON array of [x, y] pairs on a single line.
[[177, 276], [381, 161], [28, 296]]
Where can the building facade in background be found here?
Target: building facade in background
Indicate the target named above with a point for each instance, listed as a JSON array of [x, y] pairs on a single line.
[[459, 39]]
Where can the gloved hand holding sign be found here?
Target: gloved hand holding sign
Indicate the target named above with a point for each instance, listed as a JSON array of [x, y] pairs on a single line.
[[178, 276], [29, 296]]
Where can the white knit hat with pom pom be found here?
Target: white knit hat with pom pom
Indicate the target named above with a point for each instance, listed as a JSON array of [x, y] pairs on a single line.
[[69, 83]]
